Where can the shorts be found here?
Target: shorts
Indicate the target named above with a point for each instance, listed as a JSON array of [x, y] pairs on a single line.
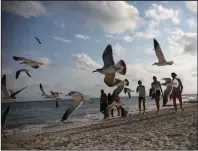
[[175, 95], [156, 95]]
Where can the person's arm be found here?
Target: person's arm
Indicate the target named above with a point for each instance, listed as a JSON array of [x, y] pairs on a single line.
[[181, 85], [137, 89]]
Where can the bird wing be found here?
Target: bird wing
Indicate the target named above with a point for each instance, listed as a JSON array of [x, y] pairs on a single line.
[[4, 89], [28, 61], [4, 116], [75, 104], [42, 90], [52, 93], [38, 40], [167, 80], [117, 92], [128, 91], [109, 79], [15, 93], [167, 92], [27, 73], [72, 93], [18, 72], [108, 56], [11, 91], [18, 58], [158, 51]]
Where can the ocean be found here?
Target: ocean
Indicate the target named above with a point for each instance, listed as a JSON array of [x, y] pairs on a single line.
[[34, 117]]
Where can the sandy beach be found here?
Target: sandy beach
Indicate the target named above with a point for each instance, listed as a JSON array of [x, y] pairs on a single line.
[[167, 131]]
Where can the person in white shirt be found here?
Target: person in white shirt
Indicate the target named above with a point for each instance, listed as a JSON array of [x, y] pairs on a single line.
[[156, 88], [142, 95]]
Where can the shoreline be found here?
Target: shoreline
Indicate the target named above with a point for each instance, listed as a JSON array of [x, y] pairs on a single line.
[[122, 133]]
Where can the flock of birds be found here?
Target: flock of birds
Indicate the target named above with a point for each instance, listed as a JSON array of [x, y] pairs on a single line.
[[109, 70]]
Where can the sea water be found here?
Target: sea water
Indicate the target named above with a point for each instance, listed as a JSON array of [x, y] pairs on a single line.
[[33, 117]]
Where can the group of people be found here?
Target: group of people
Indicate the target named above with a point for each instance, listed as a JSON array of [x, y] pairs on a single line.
[[156, 92], [107, 103]]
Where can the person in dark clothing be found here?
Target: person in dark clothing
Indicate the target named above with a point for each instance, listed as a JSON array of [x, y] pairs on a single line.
[[156, 92], [103, 102], [142, 95], [109, 99]]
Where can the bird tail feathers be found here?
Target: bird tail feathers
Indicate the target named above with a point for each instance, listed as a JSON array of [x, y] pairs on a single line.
[[121, 64]]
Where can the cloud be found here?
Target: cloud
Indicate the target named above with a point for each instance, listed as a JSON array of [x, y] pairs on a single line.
[[128, 38], [60, 23], [25, 9], [192, 22], [183, 42], [83, 61], [119, 51], [149, 34], [158, 14], [62, 39], [192, 5], [82, 37], [112, 36], [46, 61], [112, 16]]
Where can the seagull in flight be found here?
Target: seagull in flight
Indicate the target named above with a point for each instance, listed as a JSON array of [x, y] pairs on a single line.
[[110, 68], [29, 62], [78, 100], [38, 40], [3, 119], [167, 92], [8, 94], [52, 96], [161, 59], [22, 70], [128, 91]]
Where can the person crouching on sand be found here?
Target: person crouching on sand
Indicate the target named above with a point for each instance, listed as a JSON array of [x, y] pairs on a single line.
[[156, 88], [142, 95], [177, 91], [103, 101]]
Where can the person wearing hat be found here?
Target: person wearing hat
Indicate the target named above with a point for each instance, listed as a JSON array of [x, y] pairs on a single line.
[[177, 91], [142, 95], [156, 92], [103, 101]]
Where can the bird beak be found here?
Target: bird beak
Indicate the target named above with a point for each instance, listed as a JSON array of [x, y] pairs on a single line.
[[93, 71], [153, 64]]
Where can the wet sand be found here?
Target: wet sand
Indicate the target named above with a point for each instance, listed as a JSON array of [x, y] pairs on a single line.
[[166, 131]]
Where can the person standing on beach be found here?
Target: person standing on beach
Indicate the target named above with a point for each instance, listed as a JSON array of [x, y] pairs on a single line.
[[103, 101], [142, 95], [177, 91], [156, 88]]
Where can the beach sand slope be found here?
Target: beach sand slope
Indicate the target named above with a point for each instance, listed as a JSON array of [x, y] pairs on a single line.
[[166, 131]]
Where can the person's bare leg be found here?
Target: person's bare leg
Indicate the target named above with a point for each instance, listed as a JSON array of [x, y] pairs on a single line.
[[139, 105], [180, 101], [143, 106]]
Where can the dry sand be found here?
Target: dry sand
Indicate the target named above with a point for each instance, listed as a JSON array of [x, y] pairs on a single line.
[[166, 131]]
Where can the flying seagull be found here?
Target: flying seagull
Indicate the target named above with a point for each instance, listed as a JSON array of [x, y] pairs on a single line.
[[38, 40], [109, 69], [161, 59], [52, 96], [22, 70], [167, 92], [127, 90], [31, 63], [78, 100], [6, 92], [3, 119]]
